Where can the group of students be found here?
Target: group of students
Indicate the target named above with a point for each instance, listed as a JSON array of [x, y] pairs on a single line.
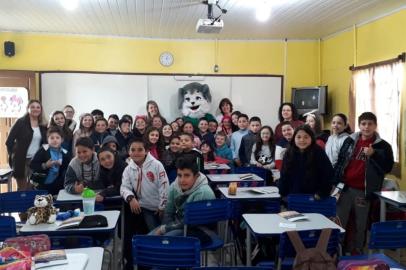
[[119, 157]]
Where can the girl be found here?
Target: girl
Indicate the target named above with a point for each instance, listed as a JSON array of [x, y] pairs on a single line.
[[179, 120], [50, 163], [209, 155], [203, 132], [83, 170], [226, 127], [154, 142], [282, 144], [306, 167], [69, 113], [188, 128], [158, 121], [167, 134], [287, 112], [100, 132], [170, 155], [313, 120], [86, 126], [226, 108], [24, 140], [340, 131], [234, 120], [111, 171], [152, 110], [58, 120], [140, 126], [263, 151], [175, 126]]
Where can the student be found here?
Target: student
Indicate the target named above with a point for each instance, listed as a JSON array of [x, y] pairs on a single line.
[[306, 168], [58, 120], [190, 186], [111, 142], [170, 155], [167, 133], [189, 151], [248, 140], [24, 139], [203, 132], [209, 155], [145, 189], [175, 126], [263, 150], [111, 171], [100, 132], [213, 126], [180, 122], [313, 120], [237, 136], [83, 170], [112, 125], [96, 113], [226, 127], [226, 108], [69, 113], [154, 142], [287, 112], [86, 126], [50, 163], [189, 128], [282, 144], [339, 132], [129, 118], [362, 163], [158, 121], [140, 126], [153, 110], [222, 149], [124, 136], [234, 120]]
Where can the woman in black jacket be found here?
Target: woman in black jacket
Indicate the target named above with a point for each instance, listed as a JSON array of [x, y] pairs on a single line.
[[24, 140], [111, 171]]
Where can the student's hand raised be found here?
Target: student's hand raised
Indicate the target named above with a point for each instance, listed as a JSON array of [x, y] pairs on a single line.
[[369, 151], [79, 187], [135, 206]]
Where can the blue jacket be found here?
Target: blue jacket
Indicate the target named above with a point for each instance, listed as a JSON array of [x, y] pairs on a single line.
[[224, 152]]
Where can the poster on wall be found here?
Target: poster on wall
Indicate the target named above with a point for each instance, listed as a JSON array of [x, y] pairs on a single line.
[[13, 101]]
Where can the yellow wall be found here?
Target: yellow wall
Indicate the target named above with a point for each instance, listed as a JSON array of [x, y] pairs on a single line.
[[376, 41]]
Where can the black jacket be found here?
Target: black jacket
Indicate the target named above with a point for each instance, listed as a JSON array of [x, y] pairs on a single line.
[[377, 165], [112, 178]]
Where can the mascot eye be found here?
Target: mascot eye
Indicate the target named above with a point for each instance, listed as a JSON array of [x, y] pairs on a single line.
[[187, 99], [198, 98]]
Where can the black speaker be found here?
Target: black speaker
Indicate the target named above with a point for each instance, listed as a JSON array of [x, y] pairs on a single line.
[[9, 48]]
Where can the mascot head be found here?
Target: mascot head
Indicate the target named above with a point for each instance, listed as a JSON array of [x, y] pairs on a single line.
[[194, 100]]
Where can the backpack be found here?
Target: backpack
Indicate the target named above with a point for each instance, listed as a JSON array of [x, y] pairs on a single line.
[[368, 264], [315, 258]]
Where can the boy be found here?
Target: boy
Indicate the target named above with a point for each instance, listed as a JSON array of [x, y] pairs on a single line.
[[248, 141], [123, 136], [112, 124], [50, 163], [96, 113], [237, 136], [363, 161], [222, 149], [190, 186], [186, 145], [213, 125]]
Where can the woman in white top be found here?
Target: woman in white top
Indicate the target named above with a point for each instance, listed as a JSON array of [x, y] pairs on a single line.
[[24, 140], [339, 132]]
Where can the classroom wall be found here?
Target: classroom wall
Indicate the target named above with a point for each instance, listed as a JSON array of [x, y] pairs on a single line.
[[376, 41]]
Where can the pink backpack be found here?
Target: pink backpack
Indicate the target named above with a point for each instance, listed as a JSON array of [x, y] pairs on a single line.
[[368, 264]]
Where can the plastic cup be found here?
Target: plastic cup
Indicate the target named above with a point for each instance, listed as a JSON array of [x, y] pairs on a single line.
[[89, 201]]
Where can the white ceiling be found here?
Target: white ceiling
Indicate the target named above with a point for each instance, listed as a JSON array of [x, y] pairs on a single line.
[[292, 19]]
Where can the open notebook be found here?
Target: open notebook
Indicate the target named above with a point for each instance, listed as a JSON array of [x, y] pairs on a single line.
[[75, 261]]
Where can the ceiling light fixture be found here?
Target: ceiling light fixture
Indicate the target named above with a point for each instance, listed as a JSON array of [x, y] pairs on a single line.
[[70, 4], [263, 11]]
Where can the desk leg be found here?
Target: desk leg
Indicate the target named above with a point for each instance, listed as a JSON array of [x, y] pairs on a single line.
[[383, 211], [248, 249], [122, 232], [115, 250]]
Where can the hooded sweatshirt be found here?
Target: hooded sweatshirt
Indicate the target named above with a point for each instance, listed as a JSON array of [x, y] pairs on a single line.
[[148, 183], [87, 173], [178, 198]]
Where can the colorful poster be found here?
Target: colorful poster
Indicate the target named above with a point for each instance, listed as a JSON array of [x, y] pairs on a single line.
[[13, 101]]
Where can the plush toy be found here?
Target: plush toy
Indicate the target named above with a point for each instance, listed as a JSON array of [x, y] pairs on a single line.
[[42, 211], [194, 100]]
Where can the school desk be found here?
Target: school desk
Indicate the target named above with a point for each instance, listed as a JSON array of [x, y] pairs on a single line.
[[248, 193], [227, 178], [6, 178], [395, 198]]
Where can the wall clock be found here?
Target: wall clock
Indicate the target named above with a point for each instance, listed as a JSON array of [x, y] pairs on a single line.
[[166, 59]]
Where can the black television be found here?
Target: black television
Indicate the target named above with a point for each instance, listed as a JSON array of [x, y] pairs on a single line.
[[307, 99]]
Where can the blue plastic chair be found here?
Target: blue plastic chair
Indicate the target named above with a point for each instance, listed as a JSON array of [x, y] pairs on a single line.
[[172, 174], [309, 238], [167, 252], [388, 235], [18, 201], [208, 212], [71, 241], [306, 203], [7, 227], [270, 206]]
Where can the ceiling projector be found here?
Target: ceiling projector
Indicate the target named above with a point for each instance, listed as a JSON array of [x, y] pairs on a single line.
[[209, 26]]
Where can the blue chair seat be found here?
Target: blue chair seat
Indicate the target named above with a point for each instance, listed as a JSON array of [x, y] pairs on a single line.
[[287, 264], [216, 243], [392, 263]]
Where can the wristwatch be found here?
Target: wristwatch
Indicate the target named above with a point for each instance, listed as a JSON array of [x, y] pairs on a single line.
[[129, 198]]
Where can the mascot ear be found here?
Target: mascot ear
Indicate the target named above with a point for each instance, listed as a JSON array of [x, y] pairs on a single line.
[[181, 94], [206, 92], [50, 198]]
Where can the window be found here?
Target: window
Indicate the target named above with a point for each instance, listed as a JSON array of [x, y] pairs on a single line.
[[377, 89]]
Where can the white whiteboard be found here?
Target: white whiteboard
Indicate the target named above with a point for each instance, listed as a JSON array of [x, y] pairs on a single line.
[[128, 93]]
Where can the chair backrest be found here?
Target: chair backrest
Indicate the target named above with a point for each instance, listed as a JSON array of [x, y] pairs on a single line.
[[71, 241], [7, 227], [388, 235], [270, 206], [18, 201], [169, 252], [206, 212], [261, 172], [306, 203], [172, 174], [309, 239]]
